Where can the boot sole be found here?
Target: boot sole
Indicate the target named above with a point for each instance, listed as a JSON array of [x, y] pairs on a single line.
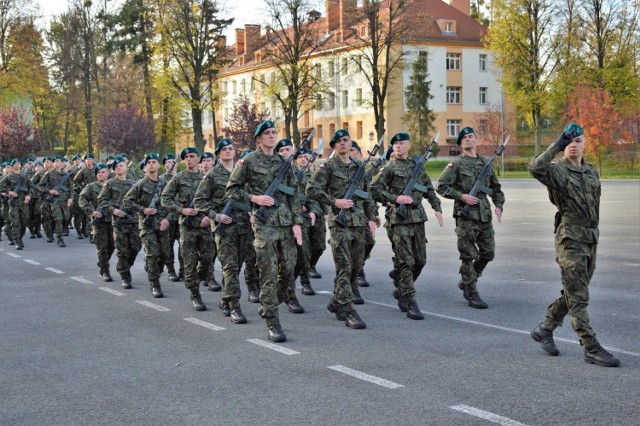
[[601, 363], [356, 326]]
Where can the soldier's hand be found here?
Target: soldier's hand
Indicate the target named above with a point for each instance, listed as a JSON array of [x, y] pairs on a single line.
[[189, 212], [164, 224], [223, 218], [343, 203], [404, 199], [96, 214], [69, 202], [378, 222], [499, 214], [119, 213], [372, 228], [262, 200], [297, 233], [469, 199], [13, 194], [312, 216], [205, 222], [440, 221], [53, 192], [149, 211]]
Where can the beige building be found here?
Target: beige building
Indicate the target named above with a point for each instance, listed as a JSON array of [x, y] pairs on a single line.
[[464, 81]]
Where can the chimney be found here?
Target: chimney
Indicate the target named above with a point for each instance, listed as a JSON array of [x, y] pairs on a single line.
[[463, 6], [221, 44], [348, 15], [239, 41], [251, 38], [333, 15]]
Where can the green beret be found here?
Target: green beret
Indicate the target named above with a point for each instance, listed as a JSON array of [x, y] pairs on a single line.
[[123, 155], [58, 157], [245, 153], [117, 161], [38, 163], [149, 156], [387, 154], [189, 150], [464, 132], [168, 157], [573, 130], [111, 157], [223, 142], [282, 143], [306, 150], [267, 124], [29, 160], [337, 135], [355, 145], [47, 159], [76, 157], [402, 136], [205, 155], [99, 167], [89, 155], [14, 161]]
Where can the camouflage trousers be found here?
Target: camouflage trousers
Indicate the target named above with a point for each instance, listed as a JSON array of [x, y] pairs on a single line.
[[394, 258], [79, 218], [4, 213], [173, 236], [47, 218], [251, 276], [347, 245], [35, 219], [275, 259], [214, 255], [577, 263], [196, 245], [128, 245], [156, 247], [18, 218], [302, 261], [317, 240], [369, 243], [477, 248], [410, 246], [232, 249], [60, 216], [105, 246]]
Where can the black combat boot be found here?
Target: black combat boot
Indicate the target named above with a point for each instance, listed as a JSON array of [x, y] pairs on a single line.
[[224, 306], [253, 296], [361, 281], [80, 234], [472, 297], [106, 276], [544, 336], [294, 306], [313, 273], [61, 241], [126, 280], [306, 287], [275, 333], [156, 290], [357, 299], [413, 311], [49, 238], [596, 354], [337, 309], [401, 302], [11, 243], [173, 277], [236, 313], [213, 285], [353, 320], [196, 299], [19, 244], [32, 233]]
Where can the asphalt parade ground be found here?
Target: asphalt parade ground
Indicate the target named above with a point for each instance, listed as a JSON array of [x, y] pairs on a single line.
[[75, 350]]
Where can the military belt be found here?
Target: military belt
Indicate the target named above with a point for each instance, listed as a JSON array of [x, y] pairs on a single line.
[[579, 222]]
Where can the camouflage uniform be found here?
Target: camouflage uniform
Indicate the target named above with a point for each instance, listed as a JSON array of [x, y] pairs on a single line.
[[18, 211], [408, 235], [42, 206], [126, 234], [274, 241], [82, 178], [318, 238], [303, 264], [328, 183], [102, 228], [174, 235], [35, 220], [575, 191], [156, 242], [475, 234], [57, 203]]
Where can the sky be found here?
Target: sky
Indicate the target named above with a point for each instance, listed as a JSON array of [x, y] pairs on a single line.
[[244, 12]]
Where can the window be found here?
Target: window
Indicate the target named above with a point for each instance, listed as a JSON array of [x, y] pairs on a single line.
[[345, 66], [318, 105], [358, 63], [332, 68], [482, 126], [453, 61], [358, 97], [331, 100], [318, 71], [345, 99], [423, 55], [345, 125], [252, 85], [243, 86], [319, 130], [448, 27], [483, 62], [332, 129], [359, 129], [483, 95], [363, 31], [453, 128], [234, 85], [226, 114], [453, 94], [225, 88]]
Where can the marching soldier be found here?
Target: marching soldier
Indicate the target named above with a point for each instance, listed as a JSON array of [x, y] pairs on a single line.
[[42, 205], [83, 177], [206, 164], [170, 167], [34, 214], [56, 187], [17, 188]]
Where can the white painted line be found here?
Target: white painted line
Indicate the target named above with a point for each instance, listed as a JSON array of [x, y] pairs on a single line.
[[57, 271], [204, 324], [323, 292], [366, 377], [112, 291], [273, 346], [81, 280], [33, 262], [494, 418], [153, 306], [13, 255]]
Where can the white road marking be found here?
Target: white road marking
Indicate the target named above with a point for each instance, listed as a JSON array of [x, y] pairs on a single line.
[[273, 346], [204, 324], [494, 418], [13, 255], [81, 280], [32, 262], [366, 377], [57, 271], [153, 306], [323, 292], [112, 291]]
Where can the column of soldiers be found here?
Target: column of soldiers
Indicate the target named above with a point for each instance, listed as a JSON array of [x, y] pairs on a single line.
[[233, 210]]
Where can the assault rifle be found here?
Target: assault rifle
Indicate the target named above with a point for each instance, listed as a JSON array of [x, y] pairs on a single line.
[[277, 185], [60, 186], [148, 219], [413, 184], [300, 173], [188, 220], [228, 209], [353, 191], [479, 185], [374, 167], [118, 222], [97, 220], [20, 188]]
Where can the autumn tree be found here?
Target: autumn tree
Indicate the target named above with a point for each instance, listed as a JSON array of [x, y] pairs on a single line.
[[19, 134], [125, 130], [12, 14], [243, 121], [419, 117]]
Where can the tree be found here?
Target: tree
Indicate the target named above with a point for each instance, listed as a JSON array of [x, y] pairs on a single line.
[[490, 125], [125, 130], [12, 13], [19, 135], [191, 30], [419, 117], [243, 120], [523, 39]]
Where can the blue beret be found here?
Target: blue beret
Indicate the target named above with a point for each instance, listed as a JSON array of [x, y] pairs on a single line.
[[206, 155], [168, 157], [245, 153], [464, 132], [355, 145], [282, 143], [402, 136], [337, 135], [89, 155], [150, 156], [267, 124], [573, 130], [99, 167], [387, 154], [223, 142], [189, 150]]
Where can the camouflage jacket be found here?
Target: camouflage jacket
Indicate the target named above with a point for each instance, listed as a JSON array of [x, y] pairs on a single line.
[[311, 204], [83, 178], [253, 175], [88, 200], [9, 183], [112, 197], [51, 180], [330, 181], [459, 177], [180, 193], [575, 191], [391, 181], [139, 198]]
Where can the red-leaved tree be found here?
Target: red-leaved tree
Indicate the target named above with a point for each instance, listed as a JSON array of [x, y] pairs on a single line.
[[126, 130], [20, 136], [243, 120]]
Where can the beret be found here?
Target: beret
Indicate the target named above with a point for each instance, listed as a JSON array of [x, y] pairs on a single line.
[[117, 161], [168, 157], [355, 145], [76, 157], [150, 156], [464, 132], [267, 124], [245, 153], [402, 136], [337, 135], [99, 167], [206, 155], [189, 150], [29, 159], [123, 155], [306, 150], [89, 155], [573, 130], [14, 161], [387, 154], [282, 143], [58, 157], [223, 142]]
